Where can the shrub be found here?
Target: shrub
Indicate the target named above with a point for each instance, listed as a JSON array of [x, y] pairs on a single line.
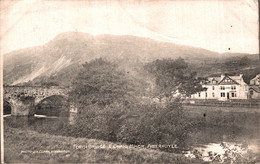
[[134, 124], [109, 103]]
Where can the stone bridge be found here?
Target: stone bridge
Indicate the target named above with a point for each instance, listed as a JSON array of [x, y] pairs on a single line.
[[24, 99]]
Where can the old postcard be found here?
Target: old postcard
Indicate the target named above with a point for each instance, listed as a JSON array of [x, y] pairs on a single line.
[[113, 81]]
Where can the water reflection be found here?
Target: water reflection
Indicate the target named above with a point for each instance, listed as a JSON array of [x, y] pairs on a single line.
[[44, 116], [40, 123]]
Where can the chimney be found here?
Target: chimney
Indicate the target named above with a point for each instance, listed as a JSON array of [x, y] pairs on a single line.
[[222, 76]]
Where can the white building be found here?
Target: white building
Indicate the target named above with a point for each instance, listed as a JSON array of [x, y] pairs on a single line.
[[255, 80], [254, 88], [223, 88]]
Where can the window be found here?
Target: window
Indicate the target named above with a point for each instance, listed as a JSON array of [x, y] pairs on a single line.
[[206, 94], [213, 87], [233, 87], [222, 87], [213, 94], [233, 94], [199, 94], [222, 94]]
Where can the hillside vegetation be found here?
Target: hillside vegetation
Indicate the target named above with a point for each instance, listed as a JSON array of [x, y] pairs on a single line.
[[59, 60]]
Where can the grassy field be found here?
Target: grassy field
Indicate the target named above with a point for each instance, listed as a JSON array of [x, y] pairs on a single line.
[[33, 147]]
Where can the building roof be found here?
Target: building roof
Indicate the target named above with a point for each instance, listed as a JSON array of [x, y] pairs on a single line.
[[255, 88], [225, 79], [256, 77]]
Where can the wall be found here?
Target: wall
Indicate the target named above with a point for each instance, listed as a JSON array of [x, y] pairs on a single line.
[[241, 92], [22, 106]]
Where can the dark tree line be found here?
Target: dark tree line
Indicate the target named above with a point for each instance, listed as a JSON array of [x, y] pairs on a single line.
[[111, 107]]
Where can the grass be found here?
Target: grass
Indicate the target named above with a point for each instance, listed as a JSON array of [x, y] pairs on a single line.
[[33, 147]]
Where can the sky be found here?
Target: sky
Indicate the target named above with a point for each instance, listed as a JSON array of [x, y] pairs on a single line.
[[216, 25]]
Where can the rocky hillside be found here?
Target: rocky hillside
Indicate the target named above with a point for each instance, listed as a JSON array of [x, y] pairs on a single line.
[[62, 57]]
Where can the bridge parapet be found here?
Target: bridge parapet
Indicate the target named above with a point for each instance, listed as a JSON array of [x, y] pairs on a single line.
[[16, 96], [33, 91]]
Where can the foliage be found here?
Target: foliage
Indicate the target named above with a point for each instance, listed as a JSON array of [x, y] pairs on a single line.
[[173, 77], [110, 108], [138, 124], [99, 122], [232, 153], [238, 62], [99, 82], [156, 125]]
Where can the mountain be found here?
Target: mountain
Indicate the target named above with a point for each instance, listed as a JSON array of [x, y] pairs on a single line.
[[62, 57]]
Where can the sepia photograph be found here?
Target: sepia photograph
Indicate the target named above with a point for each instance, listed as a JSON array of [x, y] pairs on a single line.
[[130, 81]]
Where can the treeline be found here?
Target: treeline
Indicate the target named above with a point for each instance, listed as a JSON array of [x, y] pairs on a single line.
[[246, 65], [116, 106]]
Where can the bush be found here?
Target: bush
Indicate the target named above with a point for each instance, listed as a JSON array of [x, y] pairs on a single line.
[[134, 124], [110, 107]]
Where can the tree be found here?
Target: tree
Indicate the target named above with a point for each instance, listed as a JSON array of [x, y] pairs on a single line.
[[170, 124], [109, 103], [244, 61], [103, 94], [99, 82], [173, 76]]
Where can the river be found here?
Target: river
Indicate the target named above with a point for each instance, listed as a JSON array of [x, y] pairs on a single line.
[[208, 143]]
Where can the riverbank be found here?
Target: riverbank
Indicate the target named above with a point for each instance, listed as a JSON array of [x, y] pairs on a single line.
[[29, 146], [204, 108], [250, 103]]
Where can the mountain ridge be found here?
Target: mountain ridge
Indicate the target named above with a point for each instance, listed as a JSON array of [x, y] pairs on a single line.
[[70, 49]]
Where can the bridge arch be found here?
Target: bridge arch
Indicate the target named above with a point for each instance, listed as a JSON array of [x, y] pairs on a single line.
[[8, 107], [54, 105]]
